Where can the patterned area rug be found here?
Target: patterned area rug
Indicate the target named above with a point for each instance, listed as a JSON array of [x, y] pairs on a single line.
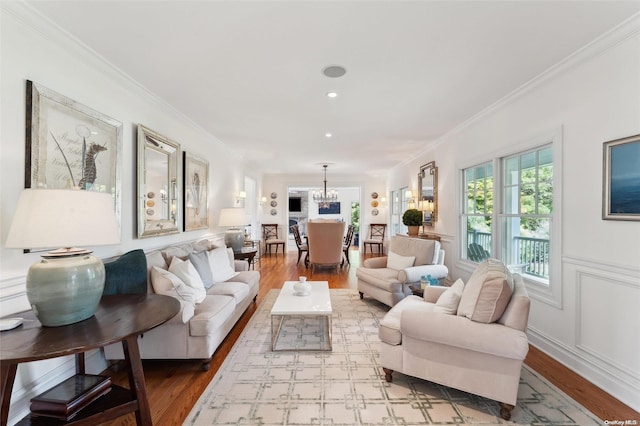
[[255, 386]]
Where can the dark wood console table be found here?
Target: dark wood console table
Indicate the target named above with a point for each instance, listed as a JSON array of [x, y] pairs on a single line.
[[248, 253], [120, 318]]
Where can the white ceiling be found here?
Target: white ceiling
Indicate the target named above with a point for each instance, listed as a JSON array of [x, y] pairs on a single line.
[[250, 72]]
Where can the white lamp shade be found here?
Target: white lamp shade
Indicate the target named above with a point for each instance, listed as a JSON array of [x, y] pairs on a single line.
[[51, 218], [233, 217]]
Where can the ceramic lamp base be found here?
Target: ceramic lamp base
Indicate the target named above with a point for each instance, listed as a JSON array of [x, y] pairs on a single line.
[[65, 290], [234, 238]]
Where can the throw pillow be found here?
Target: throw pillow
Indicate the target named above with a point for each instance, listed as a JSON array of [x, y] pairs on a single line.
[[164, 282], [200, 261], [487, 292], [221, 270], [448, 301], [184, 270], [127, 274], [397, 262]]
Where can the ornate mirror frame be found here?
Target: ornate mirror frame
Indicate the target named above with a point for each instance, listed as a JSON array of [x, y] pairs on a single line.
[[428, 187], [159, 180]]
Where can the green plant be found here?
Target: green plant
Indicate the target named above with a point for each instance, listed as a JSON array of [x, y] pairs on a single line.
[[412, 217], [355, 216]]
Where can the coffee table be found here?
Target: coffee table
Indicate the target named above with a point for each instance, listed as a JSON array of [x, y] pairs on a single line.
[[302, 323]]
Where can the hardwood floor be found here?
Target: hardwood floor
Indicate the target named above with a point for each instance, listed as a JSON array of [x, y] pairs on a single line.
[[174, 386]]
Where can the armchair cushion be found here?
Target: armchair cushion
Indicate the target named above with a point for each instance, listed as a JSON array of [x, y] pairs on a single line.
[[487, 292], [398, 262], [448, 302]]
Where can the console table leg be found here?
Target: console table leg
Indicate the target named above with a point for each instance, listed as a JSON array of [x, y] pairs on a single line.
[[136, 380], [8, 372]]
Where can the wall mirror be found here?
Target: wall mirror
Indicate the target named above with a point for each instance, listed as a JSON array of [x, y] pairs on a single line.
[[428, 198], [158, 184]]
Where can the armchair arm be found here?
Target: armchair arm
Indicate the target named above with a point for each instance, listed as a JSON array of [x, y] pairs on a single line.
[[376, 262], [433, 293], [413, 274]]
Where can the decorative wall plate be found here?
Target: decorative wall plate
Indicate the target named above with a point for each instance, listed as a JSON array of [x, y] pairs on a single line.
[[151, 195], [274, 203], [375, 212], [274, 212], [150, 212], [151, 203], [274, 195], [374, 195], [374, 203]]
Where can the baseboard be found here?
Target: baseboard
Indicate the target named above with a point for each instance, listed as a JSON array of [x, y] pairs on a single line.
[[624, 388]]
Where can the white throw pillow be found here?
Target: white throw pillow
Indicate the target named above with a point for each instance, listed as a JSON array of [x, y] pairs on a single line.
[[184, 270], [221, 270], [448, 301], [164, 282], [397, 262]]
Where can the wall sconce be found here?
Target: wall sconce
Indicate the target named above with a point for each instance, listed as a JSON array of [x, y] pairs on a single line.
[[427, 207], [242, 195]]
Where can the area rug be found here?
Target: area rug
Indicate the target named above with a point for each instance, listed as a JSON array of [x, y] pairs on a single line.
[[346, 386]]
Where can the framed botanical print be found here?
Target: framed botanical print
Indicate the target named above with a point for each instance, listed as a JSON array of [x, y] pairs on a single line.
[[196, 188], [69, 145], [621, 179]]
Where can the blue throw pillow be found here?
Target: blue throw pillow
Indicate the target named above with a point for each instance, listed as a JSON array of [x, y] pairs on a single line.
[[200, 261], [127, 274]]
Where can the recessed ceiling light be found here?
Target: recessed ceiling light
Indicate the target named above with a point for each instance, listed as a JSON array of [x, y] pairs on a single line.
[[328, 135], [332, 94], [334, 71]]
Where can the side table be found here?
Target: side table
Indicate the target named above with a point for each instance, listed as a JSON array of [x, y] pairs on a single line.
[[247, 253], [119, 318]]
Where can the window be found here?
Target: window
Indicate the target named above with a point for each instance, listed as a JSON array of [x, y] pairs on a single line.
[[519, 233], [526, 214], [478, 212]]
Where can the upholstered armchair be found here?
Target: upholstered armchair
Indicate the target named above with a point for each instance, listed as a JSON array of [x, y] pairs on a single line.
[[387, 278], [325, 240], [469, 337]]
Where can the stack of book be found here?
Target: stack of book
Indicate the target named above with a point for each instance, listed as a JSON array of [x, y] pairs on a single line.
[[66, 399]]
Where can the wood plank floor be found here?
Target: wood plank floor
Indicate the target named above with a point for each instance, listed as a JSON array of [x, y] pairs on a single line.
[[175, 386]]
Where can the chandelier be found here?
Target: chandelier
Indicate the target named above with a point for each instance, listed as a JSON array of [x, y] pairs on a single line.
[[324, 197]]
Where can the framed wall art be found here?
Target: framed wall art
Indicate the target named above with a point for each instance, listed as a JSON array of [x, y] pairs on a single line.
[[69, 145], [621, 179], [196, 188]]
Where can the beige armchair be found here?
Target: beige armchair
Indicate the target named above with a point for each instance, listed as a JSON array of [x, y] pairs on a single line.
[[387, 278], [469, 337], [325, 239]]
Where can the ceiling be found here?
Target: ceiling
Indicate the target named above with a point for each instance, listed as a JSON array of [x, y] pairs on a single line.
[[250, 72]]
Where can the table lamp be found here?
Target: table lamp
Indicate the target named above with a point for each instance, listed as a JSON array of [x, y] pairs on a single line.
[[236, 218], [66, 285]]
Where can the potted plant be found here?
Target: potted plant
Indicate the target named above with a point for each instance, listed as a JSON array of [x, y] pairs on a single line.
[[412, 218]]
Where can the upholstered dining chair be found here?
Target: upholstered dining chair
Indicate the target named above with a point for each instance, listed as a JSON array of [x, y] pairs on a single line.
[[348, 240], [376, 237], [303, 247], [325, 239], [271, 237]]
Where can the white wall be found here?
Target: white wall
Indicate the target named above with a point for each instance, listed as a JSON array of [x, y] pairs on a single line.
[[33, 50], [592, 98]]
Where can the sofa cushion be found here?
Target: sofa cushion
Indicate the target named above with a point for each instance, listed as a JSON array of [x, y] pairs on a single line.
[[127, 274], [237, 290], [389, 329], [211, 315], [184, 270], [200, 261], [448, 301], [181, 251], [221, 269], [487, 292], [164, 282], [398, 262]]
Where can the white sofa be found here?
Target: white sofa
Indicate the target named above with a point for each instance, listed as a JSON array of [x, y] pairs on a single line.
[[198, 329], [387, 280]]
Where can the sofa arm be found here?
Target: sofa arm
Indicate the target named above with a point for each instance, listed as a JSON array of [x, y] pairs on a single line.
[[241, 265], [413, 274], [187, 310], [460, 332], [376, 262]]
